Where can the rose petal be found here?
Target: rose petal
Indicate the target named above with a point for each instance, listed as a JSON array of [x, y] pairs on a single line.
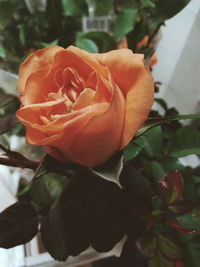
[[89, 59], [101, 136], [30, 115], [33, 87], [34, 62], [123, 65], [60, 148], [139, 101], [84, 99], [135, 81], [102, 87]]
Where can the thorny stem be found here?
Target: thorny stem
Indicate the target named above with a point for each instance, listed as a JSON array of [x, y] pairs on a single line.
[[19, 163]]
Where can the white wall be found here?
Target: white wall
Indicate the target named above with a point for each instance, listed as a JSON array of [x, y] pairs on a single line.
[[178, 65]]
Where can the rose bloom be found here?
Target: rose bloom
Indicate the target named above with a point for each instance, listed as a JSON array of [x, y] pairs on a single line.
[[83, 107]]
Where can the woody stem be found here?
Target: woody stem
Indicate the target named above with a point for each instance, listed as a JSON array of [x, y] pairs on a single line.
[[19, 163]]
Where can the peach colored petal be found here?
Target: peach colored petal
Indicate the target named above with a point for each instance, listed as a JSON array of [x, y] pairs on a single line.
[[139, 101], [125, 67], [84, 99], [143, 42], [33, 87], [123, 43], [154, 60], [29, 115], [89, 59], [64, 127], [101, 136], [35, 61], [72, 129]]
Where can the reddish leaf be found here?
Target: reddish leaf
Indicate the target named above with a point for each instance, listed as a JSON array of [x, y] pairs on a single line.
[[2, 60], [179, 264], [171, 187], [7, 122], [147, 245], [180, 207], [187, 223]]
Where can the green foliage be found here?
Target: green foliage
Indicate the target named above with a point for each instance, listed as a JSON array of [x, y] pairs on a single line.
[[87, 44], [18, 224], [22, 32], [147, 3], [125, 22], [186, 141], [53, 240], [74, 8]]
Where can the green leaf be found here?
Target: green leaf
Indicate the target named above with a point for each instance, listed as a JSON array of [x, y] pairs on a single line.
[[104, 209], [8, 9], [154, 141], [185, 142], [40, 44], [47, 165], [147, 245], [53, 240], [22, 34], [137, 185], [102, 8], [191, 251], [125, 22], [103, 40], [68, 219], [153, 122], [18, 224], [111, 170], [190, 221], [74, 8], [155, 171], [50, 164], [134, 148], [160, 261], [87, 44], [147, 3], [169, 247], [169, 163], [171, 187], [190, 189], [47, 189], [2, 52]]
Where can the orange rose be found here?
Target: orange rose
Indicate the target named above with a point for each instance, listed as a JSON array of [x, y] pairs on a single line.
[[83, 107]]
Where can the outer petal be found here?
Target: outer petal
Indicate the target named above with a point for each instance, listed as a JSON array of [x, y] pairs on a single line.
[[34, 62], [139, 101], [124, 66], [135, 81], [33, 87]]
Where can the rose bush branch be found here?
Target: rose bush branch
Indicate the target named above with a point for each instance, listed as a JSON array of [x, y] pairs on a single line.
[[19, 163]]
